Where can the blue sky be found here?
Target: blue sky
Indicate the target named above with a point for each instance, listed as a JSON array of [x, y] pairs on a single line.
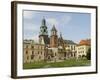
[[73, 26]]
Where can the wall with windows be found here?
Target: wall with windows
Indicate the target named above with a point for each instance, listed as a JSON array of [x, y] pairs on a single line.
[[33, 52], [82, 50]]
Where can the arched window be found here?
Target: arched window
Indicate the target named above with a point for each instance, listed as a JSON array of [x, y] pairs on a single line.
[[26, 52]]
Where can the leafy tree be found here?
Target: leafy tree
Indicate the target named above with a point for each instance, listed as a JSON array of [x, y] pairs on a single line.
[[88, 56]]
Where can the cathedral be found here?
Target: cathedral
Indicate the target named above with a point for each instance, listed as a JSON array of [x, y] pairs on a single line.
[[55, 44], [52, 48], [53, 40]]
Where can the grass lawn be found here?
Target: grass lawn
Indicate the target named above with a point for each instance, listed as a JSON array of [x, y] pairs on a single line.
[[66, 63]]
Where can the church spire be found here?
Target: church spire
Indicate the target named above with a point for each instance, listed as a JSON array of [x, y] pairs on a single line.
[[43, 22], [60, 35], [61, 41], [43, 34], [43, 27], [53, 28]]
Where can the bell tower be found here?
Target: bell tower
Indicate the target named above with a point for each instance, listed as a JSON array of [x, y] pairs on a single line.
[[53, 37], [43, 34]]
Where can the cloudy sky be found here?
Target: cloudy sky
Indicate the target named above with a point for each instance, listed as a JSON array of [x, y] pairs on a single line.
[[73, 26]]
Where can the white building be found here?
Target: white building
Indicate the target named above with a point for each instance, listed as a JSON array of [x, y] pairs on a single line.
[[70, 48], [83, 48]]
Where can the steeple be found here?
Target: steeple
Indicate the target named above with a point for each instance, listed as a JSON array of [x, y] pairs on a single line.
[[43, 22], [60, 35], [61, 41], [43, 28], [43, 34], [53, 30], [53, 37]]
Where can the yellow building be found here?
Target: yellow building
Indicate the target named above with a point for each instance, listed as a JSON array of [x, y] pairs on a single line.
[[33, 52], [82, 48], [70, 48]]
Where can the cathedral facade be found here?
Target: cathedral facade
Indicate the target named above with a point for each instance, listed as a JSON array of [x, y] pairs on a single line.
[[56, 50]]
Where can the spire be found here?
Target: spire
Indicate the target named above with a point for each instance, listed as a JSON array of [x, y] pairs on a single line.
[[43, 28], [53, 28], [43, 33], [60, 35], [43, 22], [61, 41]]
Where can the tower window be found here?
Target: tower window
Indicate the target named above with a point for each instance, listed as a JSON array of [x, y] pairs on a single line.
[[44, 30]]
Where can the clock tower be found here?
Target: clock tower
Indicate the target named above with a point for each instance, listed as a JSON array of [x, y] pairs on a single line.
[[43, 34]]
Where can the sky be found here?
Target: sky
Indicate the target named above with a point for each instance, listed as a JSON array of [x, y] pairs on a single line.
[[73, 26]]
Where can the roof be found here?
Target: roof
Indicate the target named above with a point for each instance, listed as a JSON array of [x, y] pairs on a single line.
[[85, 42], [43, 22], [53, 28], [28, 41], [69, 42]]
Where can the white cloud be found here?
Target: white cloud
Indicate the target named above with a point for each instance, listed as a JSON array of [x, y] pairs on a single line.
[[52, 21], [31, 31], [28, 14], [31, 27], [66, 19]]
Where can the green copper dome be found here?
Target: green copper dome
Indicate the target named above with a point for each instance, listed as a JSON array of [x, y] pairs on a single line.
[[43, 28]]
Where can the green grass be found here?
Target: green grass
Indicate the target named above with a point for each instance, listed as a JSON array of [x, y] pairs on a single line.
[[66, 63]]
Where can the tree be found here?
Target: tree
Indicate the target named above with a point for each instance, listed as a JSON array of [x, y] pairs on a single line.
[[88, 56]]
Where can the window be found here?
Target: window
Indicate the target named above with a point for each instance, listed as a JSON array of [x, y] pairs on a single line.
[[55, 54], [71, 47], [38, 52], [26, 52], [44, 30], [32, 56], [74, 47], [32, 47], [32, 52]]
